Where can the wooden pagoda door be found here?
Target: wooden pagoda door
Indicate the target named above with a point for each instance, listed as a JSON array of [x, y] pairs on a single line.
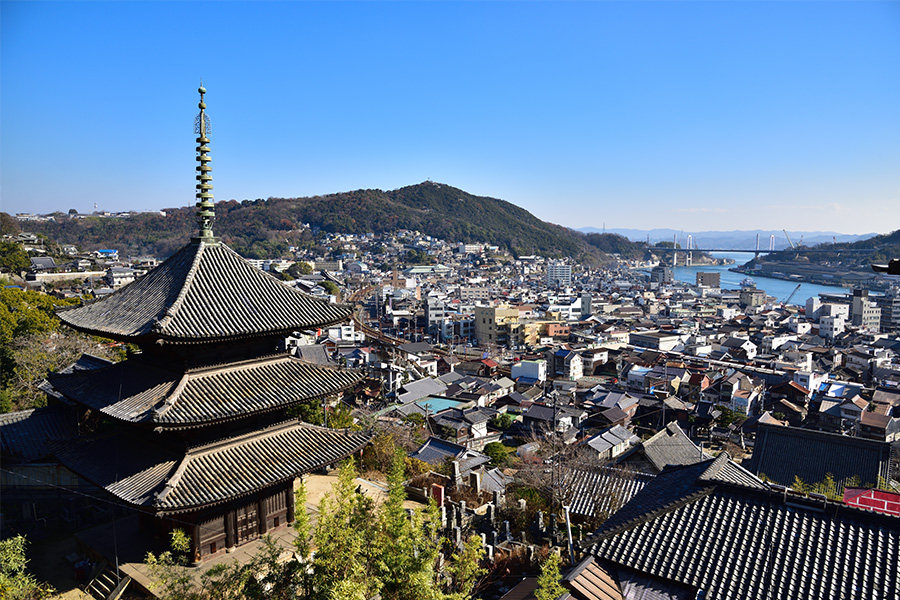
[[247, 523]]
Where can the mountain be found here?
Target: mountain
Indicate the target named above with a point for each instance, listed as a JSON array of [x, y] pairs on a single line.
[[739, 240], [265, 228]]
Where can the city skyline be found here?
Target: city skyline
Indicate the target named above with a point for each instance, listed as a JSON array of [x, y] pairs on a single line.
[[695, 116]]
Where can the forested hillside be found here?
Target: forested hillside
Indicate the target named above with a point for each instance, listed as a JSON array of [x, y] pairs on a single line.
[[877, 249], [265, 228]]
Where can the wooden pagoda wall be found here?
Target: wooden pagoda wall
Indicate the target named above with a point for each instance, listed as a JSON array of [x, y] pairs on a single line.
[[219, 528]]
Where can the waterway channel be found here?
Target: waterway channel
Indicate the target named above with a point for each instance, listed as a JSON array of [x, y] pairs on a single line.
[[778, 288]]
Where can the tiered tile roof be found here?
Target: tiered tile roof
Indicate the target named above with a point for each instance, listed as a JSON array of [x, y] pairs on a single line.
[[204, 292], [815, 454], [142, 472], [138, 392]]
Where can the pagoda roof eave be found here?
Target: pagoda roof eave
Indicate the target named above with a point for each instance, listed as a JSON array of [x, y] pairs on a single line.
[[155, 339], [151, 396], [162, 481], [203, 293]]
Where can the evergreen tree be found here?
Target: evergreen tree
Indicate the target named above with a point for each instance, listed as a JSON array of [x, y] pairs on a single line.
[[301, 521], [15, 582], [466, 569], [549, 587], [342, 565], [408, 545]]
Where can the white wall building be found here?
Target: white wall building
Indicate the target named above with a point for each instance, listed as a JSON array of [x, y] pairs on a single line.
[[559, 274], [830, 327]]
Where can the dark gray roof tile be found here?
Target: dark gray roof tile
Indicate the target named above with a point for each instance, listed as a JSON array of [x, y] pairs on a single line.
[[24, 435], [141, 472], [601, 491], [746, 544], [203, 292], [815, 454], [671, 446], [138, 392]]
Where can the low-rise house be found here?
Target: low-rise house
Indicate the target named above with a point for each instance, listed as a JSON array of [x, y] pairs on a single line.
[[565, 363], [467, 427], [541, 418], [529, 372], [42, 263], [119, 276], [612, 442], [421, 388], [670, 446]]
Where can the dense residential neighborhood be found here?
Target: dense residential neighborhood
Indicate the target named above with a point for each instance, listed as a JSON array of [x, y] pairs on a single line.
[[624, 400]]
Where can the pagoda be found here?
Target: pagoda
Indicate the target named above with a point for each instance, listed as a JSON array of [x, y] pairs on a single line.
[[198, 430]]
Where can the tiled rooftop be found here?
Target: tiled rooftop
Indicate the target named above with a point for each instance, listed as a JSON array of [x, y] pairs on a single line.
[[203, 292], [144, 473], [140, 393]]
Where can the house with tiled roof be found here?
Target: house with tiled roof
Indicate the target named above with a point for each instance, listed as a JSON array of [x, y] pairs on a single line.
[[669, 446], [713, 530]]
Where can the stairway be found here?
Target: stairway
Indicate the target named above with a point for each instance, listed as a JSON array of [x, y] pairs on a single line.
[[108, 584]]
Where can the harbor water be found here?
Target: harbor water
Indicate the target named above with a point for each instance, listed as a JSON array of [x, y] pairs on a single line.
[[780, 289]]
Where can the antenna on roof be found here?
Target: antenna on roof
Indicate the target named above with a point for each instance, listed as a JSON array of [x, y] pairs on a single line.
[[205, 207]]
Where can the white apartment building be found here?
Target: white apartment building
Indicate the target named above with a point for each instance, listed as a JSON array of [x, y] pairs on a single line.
[[559, 274], [864, 313]]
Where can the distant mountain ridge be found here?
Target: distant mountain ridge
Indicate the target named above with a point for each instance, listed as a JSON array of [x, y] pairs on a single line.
[[739, 240], [266, 228]]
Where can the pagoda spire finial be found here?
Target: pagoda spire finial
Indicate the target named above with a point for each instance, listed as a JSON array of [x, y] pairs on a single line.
[[205, 207]]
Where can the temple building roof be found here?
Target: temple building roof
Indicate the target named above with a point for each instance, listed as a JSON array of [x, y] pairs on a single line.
[[142, 393], [717, 531], [205, 292], [163, 480]]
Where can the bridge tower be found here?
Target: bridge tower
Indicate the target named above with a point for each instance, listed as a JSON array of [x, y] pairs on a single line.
[[689, 256], [756, 255], [675, 250]]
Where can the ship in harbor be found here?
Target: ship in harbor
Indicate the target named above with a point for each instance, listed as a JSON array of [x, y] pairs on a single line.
[[748, 282]]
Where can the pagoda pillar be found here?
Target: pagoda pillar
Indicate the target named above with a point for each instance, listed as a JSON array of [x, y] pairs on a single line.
[[230, 527], [263, 515], [289, 502]]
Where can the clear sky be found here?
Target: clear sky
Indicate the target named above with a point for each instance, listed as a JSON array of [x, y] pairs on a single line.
[[689, 115]]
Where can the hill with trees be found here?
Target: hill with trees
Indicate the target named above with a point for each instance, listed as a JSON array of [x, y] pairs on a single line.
[[877, 249], [265, 228]]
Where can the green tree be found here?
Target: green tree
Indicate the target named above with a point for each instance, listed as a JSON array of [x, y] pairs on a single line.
[[15, 582], [330, 287], [342, 567], [800, 485], [497, 452], [13, 258], [299, 268], [502, 421], [408, 545], [549, 586], [466, 568], [311, 412], [301, 521]]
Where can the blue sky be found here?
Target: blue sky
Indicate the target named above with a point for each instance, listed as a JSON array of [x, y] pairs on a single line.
[[689, 115]]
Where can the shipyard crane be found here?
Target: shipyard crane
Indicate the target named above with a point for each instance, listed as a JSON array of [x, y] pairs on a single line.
[[789, 239], [791, 295]]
